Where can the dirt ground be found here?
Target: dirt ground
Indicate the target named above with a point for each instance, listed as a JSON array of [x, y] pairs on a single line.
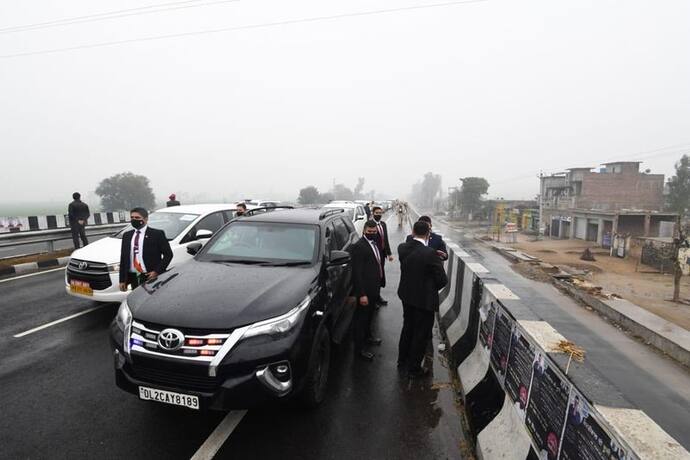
[[620, 276]]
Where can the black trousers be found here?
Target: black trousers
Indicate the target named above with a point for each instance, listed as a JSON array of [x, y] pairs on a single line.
[[78, 231], [362, 320], [417, 328]]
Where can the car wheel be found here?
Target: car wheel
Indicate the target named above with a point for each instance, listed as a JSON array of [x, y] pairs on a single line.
[[314, 389]]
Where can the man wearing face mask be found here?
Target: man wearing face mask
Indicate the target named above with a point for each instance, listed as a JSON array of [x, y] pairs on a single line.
[[383, 245], [145, 251], [367, 273], [435, 240], [240, 210]]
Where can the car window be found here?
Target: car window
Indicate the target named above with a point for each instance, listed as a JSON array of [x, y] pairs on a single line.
[[172, 223], [259, 241], [341, 233], [332, 243], [229, 215], [350, 226], [212, 222]]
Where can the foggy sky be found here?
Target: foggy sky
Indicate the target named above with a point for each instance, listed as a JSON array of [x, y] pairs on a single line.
[[500, 89]]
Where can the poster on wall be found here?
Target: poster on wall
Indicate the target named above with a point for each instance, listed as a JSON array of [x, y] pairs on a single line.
[[546, 410], [501, 343], [487, 315], [584, 436], [519, 370]]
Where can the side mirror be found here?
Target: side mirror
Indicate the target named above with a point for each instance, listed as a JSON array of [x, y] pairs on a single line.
[[194, 248], [203, 234], [358, 218], [339, 258]]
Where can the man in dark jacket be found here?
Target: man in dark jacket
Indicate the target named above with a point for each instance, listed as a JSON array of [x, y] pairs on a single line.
[[367, 272], [383, 245], [145, 251], [422, 276], [172, 201], [77, 215], [435, 240]]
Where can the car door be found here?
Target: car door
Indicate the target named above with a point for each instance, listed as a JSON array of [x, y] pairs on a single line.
[[341, 280], [359, 220], [212, 222]]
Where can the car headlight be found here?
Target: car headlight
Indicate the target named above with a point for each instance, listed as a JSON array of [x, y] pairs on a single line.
[[114, 268], [280, 325], [124, 323]]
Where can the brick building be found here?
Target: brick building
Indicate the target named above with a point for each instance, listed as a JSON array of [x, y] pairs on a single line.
[[594, 205]]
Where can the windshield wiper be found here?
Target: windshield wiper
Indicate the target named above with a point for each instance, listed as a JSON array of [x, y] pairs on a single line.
[[289, 264], [238, 261]]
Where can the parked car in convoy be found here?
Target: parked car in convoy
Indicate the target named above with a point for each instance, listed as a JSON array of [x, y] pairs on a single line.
[[93, 271], [250, 320], [355, 212]]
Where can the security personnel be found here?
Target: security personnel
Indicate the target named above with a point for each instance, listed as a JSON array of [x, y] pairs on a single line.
[[77, 214], [435, 240], [145, 251], [367, 273], [421, 277], [383, 245]]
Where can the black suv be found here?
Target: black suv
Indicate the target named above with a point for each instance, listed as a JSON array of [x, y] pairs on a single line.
[[249, 320]]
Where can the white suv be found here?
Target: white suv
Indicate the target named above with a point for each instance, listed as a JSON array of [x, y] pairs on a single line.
[[93, 271], [355, 212]]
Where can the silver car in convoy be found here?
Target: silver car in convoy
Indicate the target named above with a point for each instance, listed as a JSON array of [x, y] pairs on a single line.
[[93, 271]]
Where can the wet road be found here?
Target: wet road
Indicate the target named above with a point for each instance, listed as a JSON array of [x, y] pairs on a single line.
[[59, 399]]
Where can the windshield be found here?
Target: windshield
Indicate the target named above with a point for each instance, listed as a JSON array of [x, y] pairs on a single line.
[[172, 223], [263, 242]]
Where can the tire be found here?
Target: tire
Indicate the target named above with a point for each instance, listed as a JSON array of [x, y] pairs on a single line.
[[316, 380]]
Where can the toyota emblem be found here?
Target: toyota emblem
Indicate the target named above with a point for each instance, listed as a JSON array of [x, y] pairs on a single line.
[[171, 339], [83, 265]]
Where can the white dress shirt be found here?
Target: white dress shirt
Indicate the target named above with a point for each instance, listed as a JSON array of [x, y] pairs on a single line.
[[140, 256]]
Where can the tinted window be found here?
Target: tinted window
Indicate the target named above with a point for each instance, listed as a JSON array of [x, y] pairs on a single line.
[[350, 226], [172, 223], [229, 215], [212, 222], [256, 241], [331, 238], [341, 233]]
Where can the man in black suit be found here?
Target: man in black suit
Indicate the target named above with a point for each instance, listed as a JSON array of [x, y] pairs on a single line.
[[435, 240], [77, 215], [145, 251], [383, 245], [422, 276], [367, 272]]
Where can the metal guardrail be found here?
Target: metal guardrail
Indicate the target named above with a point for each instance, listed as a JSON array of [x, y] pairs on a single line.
[[49, 237]]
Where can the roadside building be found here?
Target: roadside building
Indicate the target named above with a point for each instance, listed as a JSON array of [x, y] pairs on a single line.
[[596, 205]]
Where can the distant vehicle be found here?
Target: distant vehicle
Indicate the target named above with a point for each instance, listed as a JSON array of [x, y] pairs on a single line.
[[354, 211], [262, 203], [250, 320], [93, 271]]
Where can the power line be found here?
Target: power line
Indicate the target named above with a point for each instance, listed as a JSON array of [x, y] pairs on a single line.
[[106, 16], [245, 27], [89, 16]]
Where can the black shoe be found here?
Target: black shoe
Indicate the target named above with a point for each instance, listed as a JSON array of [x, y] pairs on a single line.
[[382, 302], [374, 341], [418, 372], [366, 355]]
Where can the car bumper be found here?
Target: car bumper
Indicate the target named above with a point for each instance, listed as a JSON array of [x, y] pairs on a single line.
[[110, 294]]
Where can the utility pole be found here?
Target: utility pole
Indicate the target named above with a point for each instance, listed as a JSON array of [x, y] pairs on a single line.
[[680, 240], [541, 204]]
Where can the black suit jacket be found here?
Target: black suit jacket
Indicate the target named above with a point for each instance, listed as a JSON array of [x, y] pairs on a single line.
[[157, 253], [366, 271], [78, 210], [421, 277], [435, 242], [382, 241]]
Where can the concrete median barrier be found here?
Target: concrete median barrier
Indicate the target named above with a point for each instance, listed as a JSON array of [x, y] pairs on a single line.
[[525, 396]]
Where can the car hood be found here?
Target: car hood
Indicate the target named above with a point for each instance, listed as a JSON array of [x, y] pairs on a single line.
[[105, 250], [204, 295]]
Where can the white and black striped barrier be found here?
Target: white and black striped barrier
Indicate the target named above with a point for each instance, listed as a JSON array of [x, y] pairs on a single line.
[[50, 222], [524, 397]]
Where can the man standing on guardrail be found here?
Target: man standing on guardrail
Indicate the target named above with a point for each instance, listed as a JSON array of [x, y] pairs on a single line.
[[77, 214], [421, 277]]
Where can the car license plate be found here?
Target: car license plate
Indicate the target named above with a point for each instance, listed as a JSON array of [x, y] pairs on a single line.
[[168, 397], [80, 287]]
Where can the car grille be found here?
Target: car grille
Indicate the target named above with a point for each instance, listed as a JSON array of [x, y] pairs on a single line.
[[97, 282], [195, 344], [173, 379], [87, 267]]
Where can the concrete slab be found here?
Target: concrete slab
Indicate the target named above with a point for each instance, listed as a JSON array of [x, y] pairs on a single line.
[[544, 334]]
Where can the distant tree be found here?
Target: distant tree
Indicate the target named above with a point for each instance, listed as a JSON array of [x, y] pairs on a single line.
[[424, 191], [326, 198], [125, 191], [471, 192], [679, 187], [309, 195], [341, 192], [359, 189]]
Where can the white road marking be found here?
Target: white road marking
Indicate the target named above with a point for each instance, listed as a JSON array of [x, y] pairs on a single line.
[[53, 323], [214, 442], [31, 274]]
